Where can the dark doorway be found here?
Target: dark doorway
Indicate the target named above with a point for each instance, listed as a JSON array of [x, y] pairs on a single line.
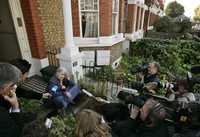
[[9, 47]]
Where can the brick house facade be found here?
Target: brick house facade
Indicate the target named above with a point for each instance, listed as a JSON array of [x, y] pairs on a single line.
[[99, 31]]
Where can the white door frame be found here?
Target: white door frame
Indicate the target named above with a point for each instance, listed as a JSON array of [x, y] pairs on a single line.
[[20, 29]]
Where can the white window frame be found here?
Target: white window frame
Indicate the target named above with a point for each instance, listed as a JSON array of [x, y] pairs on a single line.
[[80, 19], [116, 19]]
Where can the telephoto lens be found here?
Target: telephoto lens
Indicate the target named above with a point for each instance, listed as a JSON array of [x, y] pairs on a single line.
[[131, 99]]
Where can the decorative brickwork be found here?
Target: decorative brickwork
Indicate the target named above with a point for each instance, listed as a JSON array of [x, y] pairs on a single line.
[[51, 16]]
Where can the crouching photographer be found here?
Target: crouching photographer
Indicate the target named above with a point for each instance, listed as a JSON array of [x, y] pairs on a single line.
[[183, 88], [145, 121], [145, 74]]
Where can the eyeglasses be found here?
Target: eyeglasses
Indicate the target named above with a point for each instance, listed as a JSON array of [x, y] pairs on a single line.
[[13, 85]]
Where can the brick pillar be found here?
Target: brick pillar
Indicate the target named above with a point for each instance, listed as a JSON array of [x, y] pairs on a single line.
[[122, 8], [132, 18], [152, 19], [34, 28], [105, 16], [75, 18], [146, 20]]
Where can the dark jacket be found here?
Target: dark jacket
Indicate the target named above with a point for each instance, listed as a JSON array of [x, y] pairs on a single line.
[[136, 128], [147, 79], [54, 86], [10, 123], [151, 78]]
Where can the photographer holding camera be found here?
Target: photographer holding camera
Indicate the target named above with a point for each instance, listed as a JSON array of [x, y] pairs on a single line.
[[147, 73]]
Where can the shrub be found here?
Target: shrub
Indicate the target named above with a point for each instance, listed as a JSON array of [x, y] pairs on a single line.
[[173, 55], [63, 126]]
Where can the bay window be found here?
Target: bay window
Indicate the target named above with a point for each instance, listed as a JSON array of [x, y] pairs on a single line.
[[89, 17]]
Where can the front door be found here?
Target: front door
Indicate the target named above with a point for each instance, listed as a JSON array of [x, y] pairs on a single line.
[[9, 47]]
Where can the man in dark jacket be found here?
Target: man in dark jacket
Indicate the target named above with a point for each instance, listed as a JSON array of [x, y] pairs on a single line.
[[146, 121], [150, 75], [10, 119]]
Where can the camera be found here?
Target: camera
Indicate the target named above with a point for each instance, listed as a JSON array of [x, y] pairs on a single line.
[[139, 68]]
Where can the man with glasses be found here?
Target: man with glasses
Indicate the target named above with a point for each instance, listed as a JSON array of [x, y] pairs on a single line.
[[10, 116]]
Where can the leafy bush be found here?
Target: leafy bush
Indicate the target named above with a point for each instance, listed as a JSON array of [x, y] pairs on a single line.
[[63, 126], [163, 24], [174, 56], [83, 84]]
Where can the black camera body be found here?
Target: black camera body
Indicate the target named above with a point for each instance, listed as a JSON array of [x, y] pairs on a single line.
[[139, 68]]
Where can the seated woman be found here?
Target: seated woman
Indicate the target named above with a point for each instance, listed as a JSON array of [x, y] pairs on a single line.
[[62, 89]]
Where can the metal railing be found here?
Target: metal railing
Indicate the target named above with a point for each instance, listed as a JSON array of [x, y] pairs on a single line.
[[102, 83]]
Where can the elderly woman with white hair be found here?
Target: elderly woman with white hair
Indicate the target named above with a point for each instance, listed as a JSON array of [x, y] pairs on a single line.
[[63, 89]]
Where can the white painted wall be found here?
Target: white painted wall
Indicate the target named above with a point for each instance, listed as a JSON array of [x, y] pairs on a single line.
[[37, 65], [103, 57], [88, 58]]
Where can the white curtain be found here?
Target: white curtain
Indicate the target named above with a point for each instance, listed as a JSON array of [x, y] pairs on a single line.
[[91, 28]]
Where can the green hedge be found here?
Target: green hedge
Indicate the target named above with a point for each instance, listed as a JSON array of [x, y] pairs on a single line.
[[176, 56]]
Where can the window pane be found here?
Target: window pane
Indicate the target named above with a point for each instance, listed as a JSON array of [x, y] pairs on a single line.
[[95, 7], [89, 24], [89, 4], [115, 5]]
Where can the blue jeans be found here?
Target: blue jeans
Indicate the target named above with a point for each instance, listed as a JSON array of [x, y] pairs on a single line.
[[63, 101]]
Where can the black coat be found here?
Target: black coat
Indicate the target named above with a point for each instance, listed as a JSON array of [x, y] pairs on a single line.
[[10, 123], [136, 128]]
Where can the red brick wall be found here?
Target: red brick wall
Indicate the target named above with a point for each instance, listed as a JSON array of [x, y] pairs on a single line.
[[131, 18], [34, 28], [75, 18], [122, 8], [105, 12], [129, 27], [152, 19], [146, 20]]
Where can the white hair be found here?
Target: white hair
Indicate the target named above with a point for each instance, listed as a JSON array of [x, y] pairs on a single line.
[[61, 70]]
